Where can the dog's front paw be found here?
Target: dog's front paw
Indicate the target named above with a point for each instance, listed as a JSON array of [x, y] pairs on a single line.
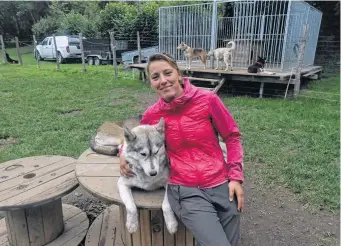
[[172, 226], [132, 222]]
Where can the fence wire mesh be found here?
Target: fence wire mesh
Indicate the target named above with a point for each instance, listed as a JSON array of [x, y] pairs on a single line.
[[266, 28]]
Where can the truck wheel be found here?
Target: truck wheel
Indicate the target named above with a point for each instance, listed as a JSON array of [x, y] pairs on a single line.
[[98, 61], [136, 60], [60, 58], [90, 61]]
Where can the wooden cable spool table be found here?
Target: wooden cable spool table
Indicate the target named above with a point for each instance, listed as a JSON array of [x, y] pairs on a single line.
[[30, 194], [99, 174]]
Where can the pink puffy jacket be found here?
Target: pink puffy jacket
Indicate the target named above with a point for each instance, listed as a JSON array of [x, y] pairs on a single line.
[[192, 122]]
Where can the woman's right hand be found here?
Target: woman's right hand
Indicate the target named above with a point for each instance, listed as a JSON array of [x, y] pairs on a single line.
[[124, 168]]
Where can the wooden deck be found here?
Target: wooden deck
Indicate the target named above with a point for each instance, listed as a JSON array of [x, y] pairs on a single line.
[[240, 74], [197, 72]]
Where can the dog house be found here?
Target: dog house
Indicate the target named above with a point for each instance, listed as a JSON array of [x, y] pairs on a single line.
[[270, 29]]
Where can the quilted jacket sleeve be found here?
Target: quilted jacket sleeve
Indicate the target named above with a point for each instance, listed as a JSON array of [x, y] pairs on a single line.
[[228, 130]]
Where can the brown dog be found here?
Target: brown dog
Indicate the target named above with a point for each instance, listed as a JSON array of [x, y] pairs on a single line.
[[190, 53]]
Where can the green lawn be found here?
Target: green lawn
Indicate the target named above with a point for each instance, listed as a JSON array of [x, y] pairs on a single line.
[[294, 143]]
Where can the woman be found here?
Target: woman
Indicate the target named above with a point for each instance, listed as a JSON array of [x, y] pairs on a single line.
[[204, 190]]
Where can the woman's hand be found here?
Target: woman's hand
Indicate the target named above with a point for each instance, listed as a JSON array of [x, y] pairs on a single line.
[[124, 168], [236, 188]]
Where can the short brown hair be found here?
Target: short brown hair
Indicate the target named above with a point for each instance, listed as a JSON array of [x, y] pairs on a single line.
[[162, 57]]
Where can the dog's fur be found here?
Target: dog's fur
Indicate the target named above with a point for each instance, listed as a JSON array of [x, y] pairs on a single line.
[[191, 53], [225, 54], [258, 66], [109, 136], [11, 60], [144, 150]]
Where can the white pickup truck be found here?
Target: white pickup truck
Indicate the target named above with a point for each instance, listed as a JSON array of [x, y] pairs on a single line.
[[68, 47]]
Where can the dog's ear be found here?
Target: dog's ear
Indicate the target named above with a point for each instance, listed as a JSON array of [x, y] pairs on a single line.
[[160, 127], [128, 134]]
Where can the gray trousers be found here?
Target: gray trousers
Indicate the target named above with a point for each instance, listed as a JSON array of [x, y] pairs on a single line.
[[208, 213]]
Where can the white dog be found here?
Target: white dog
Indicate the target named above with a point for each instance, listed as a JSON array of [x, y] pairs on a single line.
[[225, 54], [144, 150]]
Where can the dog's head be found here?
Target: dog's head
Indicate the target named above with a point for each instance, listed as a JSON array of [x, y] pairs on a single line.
[[182, 46], [261, 60], [144, 147], [210, 53]]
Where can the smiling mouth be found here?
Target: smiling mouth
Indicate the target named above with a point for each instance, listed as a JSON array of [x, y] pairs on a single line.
[[164, 88]]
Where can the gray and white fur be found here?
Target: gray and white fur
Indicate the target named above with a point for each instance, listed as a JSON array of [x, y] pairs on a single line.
[[144, 150]]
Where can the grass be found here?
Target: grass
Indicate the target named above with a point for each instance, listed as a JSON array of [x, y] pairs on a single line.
[[294, 143]]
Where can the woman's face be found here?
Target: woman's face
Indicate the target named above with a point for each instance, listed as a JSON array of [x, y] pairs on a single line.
[[165, 80]]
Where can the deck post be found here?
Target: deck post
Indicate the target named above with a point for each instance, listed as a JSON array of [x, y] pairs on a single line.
[[213, 30], [261, 90], [299, 67]]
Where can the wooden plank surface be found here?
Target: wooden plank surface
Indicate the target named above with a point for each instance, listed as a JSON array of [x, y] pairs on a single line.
[[18, 227], [52, 219], [239, 74], [110, 227], [76, 225], [3, 234], [33, 181], [180, 235], [35, 226], [157, 227], [136, 237], [236, 71], [189, 238], [99, 174], [168, 239], [146, 238]]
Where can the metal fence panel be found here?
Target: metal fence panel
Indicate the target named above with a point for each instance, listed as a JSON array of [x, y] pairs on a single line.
[[267, 28], [190, 24]]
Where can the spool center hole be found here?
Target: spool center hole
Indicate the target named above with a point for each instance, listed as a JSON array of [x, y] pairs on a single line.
[[29, 175]]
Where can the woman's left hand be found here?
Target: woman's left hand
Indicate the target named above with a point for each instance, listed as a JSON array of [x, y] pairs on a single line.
[[236, 188]]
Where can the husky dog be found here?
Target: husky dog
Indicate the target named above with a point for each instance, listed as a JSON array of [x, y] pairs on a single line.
[[109, 136], [225, 54], [191, 53], [258, 66], [144, 150]]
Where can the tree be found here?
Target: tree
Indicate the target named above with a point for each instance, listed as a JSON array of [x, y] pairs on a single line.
[[17, 18], [330, 25]]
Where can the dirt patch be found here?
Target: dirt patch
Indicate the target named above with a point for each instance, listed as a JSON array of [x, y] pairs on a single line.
[[7, 140], [119, 101], [276, 217], [71, 112], [146, 99]]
